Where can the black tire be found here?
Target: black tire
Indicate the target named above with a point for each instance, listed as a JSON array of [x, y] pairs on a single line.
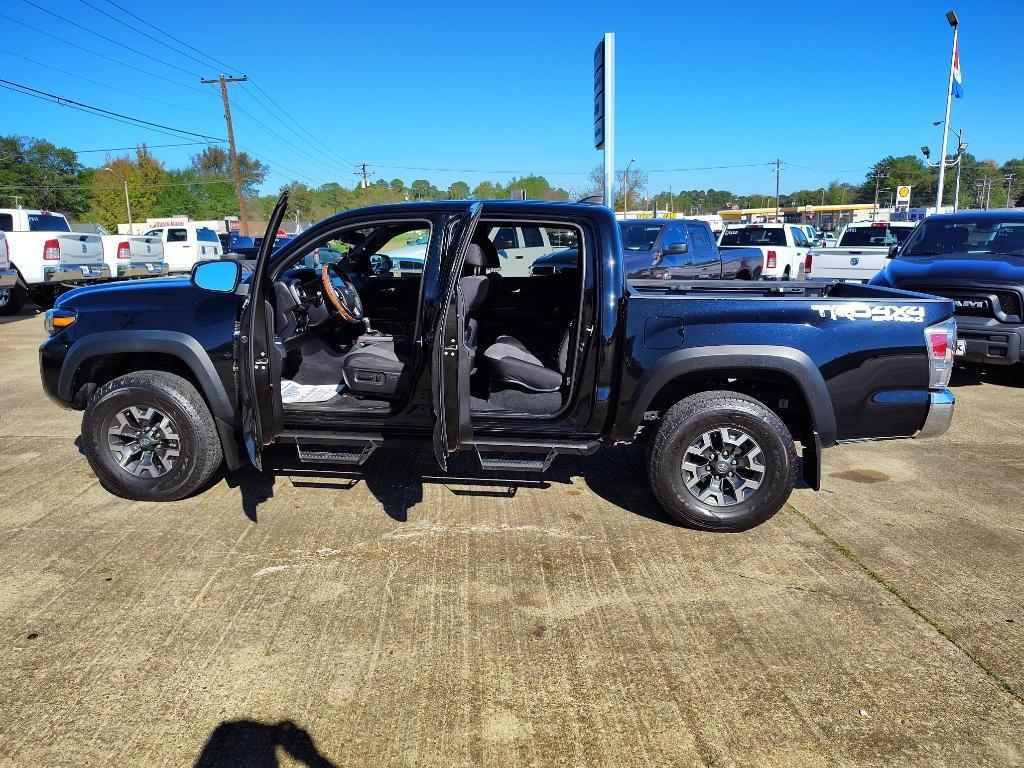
[[691, 418], [198, 442], [13, 299], [44, 298], [757, 273]]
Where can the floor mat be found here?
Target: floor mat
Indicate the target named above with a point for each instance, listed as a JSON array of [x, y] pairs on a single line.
[[292, 392], [514, 401]]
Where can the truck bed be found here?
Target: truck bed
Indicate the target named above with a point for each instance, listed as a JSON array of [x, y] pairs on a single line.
[[748, 289]]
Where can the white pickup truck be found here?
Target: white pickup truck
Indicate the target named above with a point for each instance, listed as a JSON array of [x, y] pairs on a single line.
[[860, 253], [133, 255], [48, 257], [8, 275], [784, 247], [185, 245]]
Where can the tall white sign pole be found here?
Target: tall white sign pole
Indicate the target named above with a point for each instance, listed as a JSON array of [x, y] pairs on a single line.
[[604, 111], [945, 123]]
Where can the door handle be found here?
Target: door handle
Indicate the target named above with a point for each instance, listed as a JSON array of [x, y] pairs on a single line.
[[516, 290], [392, 289]]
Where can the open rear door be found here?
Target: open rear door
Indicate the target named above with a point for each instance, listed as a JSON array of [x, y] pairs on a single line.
[[450, 361], [259, 365]]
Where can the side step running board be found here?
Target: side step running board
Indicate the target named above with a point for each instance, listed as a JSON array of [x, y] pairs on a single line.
[[351, 455], [508, 455]]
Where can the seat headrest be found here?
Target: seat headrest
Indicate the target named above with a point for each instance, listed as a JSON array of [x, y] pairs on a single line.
[[490, 253], [475, 256]]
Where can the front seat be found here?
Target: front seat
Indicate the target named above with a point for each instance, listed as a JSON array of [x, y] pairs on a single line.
[[474, 288], [510, 361]]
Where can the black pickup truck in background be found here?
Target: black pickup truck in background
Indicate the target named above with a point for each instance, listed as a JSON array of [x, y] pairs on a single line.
[[682, 249], [975, 258], [720, 378]]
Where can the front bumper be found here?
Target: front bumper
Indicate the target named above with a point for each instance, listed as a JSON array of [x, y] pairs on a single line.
[[145, 269], [8, 277], [990, 344], [940, 414], [75, 273]]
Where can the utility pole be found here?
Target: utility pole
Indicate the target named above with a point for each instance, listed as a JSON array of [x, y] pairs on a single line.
[[365, 183], [243, 227], [778, 170], [878, 177], [1008, 178]]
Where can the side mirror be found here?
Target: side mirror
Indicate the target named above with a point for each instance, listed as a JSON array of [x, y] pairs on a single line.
[[676, 248], [217, 276], [893, 250]]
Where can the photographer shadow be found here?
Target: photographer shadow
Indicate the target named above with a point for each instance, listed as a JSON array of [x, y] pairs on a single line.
[[253, 744]]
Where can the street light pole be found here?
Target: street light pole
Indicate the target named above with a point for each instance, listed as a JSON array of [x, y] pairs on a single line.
[[955, 24], [127, 202]]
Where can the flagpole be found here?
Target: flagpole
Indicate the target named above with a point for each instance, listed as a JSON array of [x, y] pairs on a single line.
[[945, 123]]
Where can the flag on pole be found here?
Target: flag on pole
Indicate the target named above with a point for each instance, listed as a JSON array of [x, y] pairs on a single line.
[[958, 81]]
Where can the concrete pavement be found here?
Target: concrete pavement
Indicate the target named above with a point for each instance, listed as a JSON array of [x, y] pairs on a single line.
[[400, 617]]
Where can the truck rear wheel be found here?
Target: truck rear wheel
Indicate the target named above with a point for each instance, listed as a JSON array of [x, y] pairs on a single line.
[[12, 299], [721, 461], [149, 436]]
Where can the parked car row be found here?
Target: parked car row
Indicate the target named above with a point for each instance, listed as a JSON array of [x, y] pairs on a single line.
[[46, 257]]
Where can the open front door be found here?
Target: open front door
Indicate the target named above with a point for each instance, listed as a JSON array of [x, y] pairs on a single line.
[[259, 365], [450, 361]]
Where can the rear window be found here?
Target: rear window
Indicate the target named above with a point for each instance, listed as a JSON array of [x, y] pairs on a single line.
[[207, 235], [754, 236], [873, 235], [45, 222]]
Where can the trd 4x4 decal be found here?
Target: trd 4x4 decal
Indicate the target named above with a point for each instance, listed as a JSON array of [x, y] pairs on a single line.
[[877, 312]]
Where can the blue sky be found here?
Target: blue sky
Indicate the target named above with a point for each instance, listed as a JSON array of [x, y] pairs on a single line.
[[500, 89]]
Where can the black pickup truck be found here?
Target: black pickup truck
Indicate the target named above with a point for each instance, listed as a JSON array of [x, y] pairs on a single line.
[[975, 258], [721, 379]]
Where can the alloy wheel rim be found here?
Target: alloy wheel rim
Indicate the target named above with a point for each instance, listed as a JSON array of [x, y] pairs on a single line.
[[723, 466], [5, 296], [144, 441]]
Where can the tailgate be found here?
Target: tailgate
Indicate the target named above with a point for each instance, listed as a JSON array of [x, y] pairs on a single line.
[[847, 263], [146, 248], [80, 249]]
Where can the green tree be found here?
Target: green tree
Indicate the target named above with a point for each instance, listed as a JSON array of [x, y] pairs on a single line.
[[146, 183], [214, 163], [458, 190], [42, 175]]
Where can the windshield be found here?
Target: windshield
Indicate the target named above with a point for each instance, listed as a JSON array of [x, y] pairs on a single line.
[[45, 222], [879, 235], [754, 235], [967, 235], [639, 237]]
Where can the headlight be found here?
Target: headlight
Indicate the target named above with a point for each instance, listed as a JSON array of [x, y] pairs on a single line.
[[56, 320]]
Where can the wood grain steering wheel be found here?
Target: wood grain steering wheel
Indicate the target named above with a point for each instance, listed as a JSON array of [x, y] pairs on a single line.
[[341, 294]]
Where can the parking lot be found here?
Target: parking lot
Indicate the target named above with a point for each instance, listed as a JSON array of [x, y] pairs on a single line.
[[398, 616]]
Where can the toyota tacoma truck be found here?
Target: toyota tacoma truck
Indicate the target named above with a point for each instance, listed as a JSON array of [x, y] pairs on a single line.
[[47, 256], [720, 379], [975, 258]]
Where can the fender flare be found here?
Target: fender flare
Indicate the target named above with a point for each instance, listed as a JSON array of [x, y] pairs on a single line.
[[786, 360], [180, 345]]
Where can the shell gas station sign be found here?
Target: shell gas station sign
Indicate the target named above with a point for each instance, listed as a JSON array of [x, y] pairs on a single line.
[[903, 196]]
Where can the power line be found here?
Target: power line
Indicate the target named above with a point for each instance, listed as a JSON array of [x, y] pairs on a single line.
[[148, 146], [100, 55], [281, 111], [118, 43], [103, 85], [138, 31], [154, 185], [64, 101], [172, 37]]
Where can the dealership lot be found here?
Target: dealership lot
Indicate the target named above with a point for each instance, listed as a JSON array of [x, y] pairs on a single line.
[[397, 616]]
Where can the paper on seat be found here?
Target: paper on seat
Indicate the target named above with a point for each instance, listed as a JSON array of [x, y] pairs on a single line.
[[292, 392]]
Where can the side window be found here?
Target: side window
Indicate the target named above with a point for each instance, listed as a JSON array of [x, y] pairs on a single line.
[[154, 233], [672, 233], [505, 238], [799, 238], [6, 222], [177, 235], [532, 238]]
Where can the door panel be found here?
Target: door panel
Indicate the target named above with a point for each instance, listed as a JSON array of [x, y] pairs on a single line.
[[450, 356], [259, 364]]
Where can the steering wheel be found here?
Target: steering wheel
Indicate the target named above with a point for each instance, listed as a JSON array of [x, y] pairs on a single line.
[[341, 294]]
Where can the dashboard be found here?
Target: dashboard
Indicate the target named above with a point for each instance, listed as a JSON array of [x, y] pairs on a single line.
[[300, 308]]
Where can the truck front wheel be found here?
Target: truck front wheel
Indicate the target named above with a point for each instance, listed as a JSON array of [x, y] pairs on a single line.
[[721, 461], [149, 436]]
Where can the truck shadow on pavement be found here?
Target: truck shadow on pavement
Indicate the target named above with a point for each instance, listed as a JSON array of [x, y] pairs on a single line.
[[396, 478], [253, 744], [999, 375]]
